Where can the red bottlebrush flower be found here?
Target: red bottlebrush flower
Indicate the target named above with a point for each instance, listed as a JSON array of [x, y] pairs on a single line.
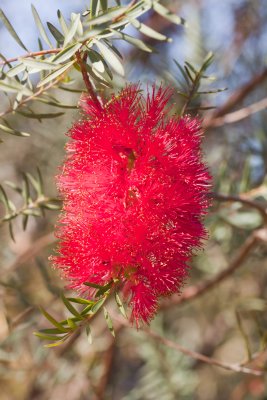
[[135, 191]]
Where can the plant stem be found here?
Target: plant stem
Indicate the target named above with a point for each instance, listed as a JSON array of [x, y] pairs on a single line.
[[82, 63]]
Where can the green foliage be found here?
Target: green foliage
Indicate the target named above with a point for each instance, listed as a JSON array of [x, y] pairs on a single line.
[[89, 37], [81, 318], [190, 83], [35, 202]]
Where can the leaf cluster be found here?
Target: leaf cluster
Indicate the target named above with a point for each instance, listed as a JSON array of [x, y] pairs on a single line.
[[81, 318], [35, 202], [90, 34], [190, 82]]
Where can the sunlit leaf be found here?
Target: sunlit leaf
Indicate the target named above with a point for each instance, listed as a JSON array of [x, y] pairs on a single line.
[[146, 30], [70, 307], [38, 64], [13, 131], [15, 70], [107, 16], [164, 12], [72, 30], [40, 115], [120, 305], [13, 86], [56, 73], [98, 305], [136, 42], [11, 30], [44, 336], [66, 53], [53, 321], [55, 32], [40, 26], [80, 300], [110, 58], [89, 334], [94, 9], [62, 22], [108, 321], [104, 4]]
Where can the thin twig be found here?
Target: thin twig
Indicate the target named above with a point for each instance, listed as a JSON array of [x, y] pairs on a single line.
[[244, 200], [82, 63], [193, 354], [31, 54], [36, 204], [201, 357], [238, 115], [237, 97], [36, 94]]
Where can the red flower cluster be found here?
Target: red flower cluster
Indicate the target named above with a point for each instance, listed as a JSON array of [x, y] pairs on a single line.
[[134, 190]]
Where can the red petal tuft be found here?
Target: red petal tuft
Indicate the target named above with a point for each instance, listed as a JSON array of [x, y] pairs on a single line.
[[135, 191]]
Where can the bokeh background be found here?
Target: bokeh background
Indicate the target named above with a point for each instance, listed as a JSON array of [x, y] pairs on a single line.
[[228, 322]]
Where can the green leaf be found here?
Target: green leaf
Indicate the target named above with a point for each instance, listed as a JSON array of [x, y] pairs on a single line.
[[72, 30], [40, 116], [93, 285], [87, 309], [146, 30], [66, 53], [107, 16], [120, 305], [56, 103], [25, 219], [51, 204], [110, 58], [40, 26], [13, 86], [4, 198], [15, 70], [39, 65], [57, 343], [56, 73], [11, 30], [113, 48], [214, 91], [100, 78], [109, 321], [11, 232], [167, 14], [40, 186], [98, 305], [135, 42], [62, 22], [88, 333], [13, 186], [70, 307], [47, 337], [104, 4], [94, 9], [188, 73], [80, 300], [13, 131], [208, 61], [26, 189], [72, 324], [50, 331], [55, 32], [53, 321], [191, 67], [99, 64]]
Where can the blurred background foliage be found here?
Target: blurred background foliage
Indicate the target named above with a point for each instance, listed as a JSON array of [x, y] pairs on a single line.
[[227, 322]]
